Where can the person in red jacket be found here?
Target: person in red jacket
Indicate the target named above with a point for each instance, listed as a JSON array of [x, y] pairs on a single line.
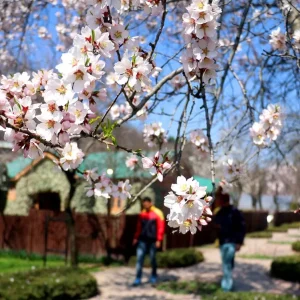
[[148, 237]]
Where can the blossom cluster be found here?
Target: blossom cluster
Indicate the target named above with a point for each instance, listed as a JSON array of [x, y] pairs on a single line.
[[269, 127], [131, 162], [156, 166], [200, 140], [201, 38], [102, 186], [189, 205], [49, 109], [296, 37], [232, 169], [278, 40], [154, 134], [54, 120], [226, 186]]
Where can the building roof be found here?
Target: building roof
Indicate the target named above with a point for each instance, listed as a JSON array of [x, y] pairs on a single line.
[[17, 165], [115, 161], [205, 182], [100, 160], [21, 166]]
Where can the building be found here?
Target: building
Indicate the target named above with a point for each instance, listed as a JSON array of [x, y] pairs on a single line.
[[40, 184]]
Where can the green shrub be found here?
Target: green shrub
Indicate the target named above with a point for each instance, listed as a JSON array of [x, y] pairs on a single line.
[[277, 229], [260, 235], [296, 246], [284, 227], [287, 268], [48, 284], [189, 287], [248, 296], [175, 258], [212, 291], [291, 225]]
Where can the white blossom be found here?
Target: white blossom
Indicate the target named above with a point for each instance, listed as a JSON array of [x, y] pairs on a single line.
[[71, 157], [187, 203]]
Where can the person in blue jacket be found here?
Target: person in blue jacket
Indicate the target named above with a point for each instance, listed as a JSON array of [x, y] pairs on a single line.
[[231, 234]]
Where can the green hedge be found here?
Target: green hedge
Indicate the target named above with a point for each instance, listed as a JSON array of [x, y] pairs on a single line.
[[284, 227], [175, 258], [48, 284], [260, 235], [296, 246], [212, 291], [248, 296], [189, 287], [287, 268], [277, 229], [291, 225]]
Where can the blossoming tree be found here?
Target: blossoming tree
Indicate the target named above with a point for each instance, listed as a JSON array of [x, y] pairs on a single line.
[[204, 66]]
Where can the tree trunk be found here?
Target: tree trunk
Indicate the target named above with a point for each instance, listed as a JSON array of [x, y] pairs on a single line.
[[254, 201], [259, 202], [275, 198], [108, 230], [71, 220]]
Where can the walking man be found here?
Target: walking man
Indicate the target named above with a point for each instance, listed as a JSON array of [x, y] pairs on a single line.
[[148, 237], [231, 233]]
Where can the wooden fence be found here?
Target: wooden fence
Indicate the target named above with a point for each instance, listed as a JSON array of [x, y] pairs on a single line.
[[285, 217], [28, 232]]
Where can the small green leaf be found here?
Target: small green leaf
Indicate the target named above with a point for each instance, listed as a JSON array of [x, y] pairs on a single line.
[[113, 139], [18, 104], [87, 62], [166, 154], [92, 121], [93, 36]]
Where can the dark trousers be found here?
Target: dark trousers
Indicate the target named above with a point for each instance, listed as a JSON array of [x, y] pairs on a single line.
[[142, 249]]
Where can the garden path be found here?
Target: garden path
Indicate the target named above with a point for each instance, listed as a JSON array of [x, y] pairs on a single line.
[[249, 274]]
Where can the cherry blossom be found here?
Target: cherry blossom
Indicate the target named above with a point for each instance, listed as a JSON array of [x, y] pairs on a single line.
[[296, 37], [154, 134], [131, 162], [199, 139], [200, 35], [103, 186], [71, 156], [121, 190], [269, 127], [133, 71], [188, 204], [118, 34], [156, 167], [278, 40], [232, 169]]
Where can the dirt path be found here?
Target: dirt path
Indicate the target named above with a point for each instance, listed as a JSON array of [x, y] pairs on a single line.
[[249, 274]]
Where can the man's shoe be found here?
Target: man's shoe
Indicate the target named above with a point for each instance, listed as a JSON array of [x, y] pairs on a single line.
[[137, 282], [153, 280]]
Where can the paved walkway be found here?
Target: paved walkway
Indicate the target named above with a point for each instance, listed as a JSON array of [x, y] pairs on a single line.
[[249, 274]]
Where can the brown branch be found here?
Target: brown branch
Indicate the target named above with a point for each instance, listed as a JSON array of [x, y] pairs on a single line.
[[33, 135], [153, 92], [231, 57]]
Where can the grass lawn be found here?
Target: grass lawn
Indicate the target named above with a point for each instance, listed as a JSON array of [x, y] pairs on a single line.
[[12, 264], [20, 261], [280, 242], [255, 256], [212, 291]]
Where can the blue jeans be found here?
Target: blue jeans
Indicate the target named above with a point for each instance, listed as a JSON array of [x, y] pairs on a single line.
[[141, 251], [227, 254]]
